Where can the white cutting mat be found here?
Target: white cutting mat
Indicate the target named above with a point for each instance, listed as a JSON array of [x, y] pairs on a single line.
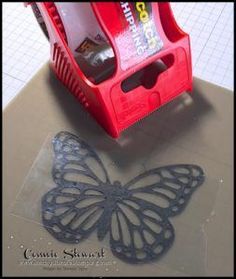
[[210, 26], [25, 49]]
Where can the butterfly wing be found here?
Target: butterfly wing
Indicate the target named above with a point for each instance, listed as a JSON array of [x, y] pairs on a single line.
[[139, 233], [75, 162], [169, 187], [72, 211], [140, 230]]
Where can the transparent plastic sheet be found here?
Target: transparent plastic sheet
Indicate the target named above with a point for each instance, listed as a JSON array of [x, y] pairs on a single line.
[[188, 252]]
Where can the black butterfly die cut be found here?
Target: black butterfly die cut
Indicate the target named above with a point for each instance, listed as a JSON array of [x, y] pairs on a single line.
[[135, 215]]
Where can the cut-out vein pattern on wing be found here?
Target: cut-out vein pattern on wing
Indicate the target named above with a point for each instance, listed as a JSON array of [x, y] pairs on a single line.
[[142, 241], [170, 190], [70, 214], [75, 162]]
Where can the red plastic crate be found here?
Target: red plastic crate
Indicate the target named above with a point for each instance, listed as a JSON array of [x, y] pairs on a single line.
[[114, 109]]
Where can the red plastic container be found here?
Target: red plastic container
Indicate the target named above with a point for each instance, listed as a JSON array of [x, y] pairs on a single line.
[[112, 107]]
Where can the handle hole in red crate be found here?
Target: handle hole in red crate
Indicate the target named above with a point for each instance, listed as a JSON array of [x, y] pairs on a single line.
[[147, 76]]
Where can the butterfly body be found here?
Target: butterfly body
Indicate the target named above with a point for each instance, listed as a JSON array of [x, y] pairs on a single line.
[[134, 216]]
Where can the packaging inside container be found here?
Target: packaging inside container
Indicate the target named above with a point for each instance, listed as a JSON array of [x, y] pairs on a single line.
[[87, 41]]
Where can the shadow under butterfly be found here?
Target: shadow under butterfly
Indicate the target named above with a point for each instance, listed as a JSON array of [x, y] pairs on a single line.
[[135, 215]]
